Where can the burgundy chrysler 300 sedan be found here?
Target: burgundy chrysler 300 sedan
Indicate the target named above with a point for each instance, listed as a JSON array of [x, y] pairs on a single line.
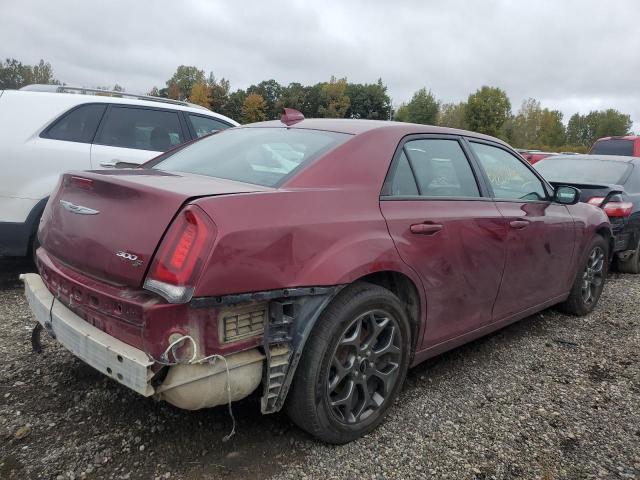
[[312, 260]]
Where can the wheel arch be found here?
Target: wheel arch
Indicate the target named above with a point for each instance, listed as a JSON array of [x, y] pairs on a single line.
[[407, 291]]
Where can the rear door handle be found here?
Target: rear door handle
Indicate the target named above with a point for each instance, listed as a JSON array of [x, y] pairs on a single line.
[[109, 163], [519, 224], [425, 228]]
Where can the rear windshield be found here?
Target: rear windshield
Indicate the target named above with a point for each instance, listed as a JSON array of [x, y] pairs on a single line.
[[576, 170], [262, 156], [613, 147]]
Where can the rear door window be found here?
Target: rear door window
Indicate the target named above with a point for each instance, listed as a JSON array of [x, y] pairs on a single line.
[[78, 125], [441, 168], [141, 128], [613, 147], [206, 125]]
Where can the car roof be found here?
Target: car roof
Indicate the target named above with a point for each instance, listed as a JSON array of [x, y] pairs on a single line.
[[358, 126], [77, 99], [604, 158], [620, 137]]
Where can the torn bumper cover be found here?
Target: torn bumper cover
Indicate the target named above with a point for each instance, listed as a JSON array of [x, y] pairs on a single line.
[[185, 386], [124, 363], [202, 381]]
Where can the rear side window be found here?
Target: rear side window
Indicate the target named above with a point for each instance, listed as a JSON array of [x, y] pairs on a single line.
[[613, 147], [205, 125], [262, 156], [141, 128], [78, 125], [438, 166], [403, 183]]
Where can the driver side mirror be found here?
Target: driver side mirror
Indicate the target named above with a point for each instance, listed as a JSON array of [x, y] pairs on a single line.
[[566, 195]]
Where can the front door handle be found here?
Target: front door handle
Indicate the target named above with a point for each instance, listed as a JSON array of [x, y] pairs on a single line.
[[425, 228], [519, 224]]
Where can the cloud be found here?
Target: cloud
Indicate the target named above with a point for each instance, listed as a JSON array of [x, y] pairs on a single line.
[[572, 55]]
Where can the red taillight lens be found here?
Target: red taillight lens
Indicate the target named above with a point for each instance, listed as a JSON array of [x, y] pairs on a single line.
[[181, 256], [613, 208]]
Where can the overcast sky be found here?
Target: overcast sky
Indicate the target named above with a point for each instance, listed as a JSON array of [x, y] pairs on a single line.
[[570, 55]]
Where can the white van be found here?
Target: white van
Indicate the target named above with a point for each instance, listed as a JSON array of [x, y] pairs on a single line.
[[47, 129]]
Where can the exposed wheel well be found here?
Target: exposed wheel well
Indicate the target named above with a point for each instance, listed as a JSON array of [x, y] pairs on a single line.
[[404, 288]]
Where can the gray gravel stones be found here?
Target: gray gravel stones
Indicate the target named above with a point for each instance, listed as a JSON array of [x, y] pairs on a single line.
[[550, 397]]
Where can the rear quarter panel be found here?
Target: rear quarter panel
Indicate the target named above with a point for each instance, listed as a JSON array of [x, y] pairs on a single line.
[[292, 238], [589, 220]]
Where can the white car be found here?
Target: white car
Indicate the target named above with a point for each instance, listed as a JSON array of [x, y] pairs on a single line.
[[47, 129]]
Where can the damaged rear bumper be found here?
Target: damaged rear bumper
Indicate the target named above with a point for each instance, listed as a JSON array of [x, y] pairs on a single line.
[[114, 358], [188, 386]]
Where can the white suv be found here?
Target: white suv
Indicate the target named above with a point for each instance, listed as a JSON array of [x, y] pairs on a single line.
[[46, 130]]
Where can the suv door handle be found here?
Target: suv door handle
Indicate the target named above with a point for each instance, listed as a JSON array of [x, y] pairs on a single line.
[[519, 224], [425, 228], [109, 163]]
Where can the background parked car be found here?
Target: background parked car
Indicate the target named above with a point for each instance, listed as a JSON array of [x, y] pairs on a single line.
[[536, 155], [597, 177], [46, 130], [359, 247], [628, 145]]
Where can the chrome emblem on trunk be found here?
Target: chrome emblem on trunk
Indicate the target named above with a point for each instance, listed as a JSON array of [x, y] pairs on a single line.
[[73, 208], [131, 257]]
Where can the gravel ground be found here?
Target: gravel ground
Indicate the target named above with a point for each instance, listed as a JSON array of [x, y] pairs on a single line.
[[549, 397]]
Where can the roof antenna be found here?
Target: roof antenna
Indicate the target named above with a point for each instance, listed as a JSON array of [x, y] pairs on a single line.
[[291, 116]]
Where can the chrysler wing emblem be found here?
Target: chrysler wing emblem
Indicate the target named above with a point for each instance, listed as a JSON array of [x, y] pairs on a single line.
[[73, 208]]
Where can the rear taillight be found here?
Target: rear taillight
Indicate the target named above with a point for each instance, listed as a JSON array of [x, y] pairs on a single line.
[[613, 208], [181, 256]]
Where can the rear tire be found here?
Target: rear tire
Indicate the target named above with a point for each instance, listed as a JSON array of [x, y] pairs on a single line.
[[631, 264], [590, 279], [35, 244], [353, 365]]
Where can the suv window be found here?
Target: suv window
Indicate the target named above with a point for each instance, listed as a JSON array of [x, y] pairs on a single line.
[[508, 176], [78, 125], [441, 168], [205, 125], [142, 128]]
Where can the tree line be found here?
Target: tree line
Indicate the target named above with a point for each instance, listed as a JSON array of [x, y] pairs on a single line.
[[487, 110]]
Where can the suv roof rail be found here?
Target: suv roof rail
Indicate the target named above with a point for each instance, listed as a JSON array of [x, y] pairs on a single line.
[[106, 93]]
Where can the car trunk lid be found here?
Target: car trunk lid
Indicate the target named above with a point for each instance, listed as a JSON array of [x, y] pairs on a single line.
[[109, 223]]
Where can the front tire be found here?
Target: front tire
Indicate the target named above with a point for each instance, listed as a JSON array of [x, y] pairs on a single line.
[[589, 280], [353, 365]]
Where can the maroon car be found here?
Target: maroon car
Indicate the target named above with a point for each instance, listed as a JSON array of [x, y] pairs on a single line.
[[312, 260]]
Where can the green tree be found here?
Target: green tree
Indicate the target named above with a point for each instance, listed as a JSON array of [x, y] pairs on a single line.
[[15, 74], [368, 100], [292, 96], [218, 92], [551, 130], [254, 108], [233, 107], [610, 123], [184, 78], [42, 73], [586, 129], [402, 113], [270, 91], [334, 103], [423, 108], [487, 110], [452, 115], [200, 95]]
